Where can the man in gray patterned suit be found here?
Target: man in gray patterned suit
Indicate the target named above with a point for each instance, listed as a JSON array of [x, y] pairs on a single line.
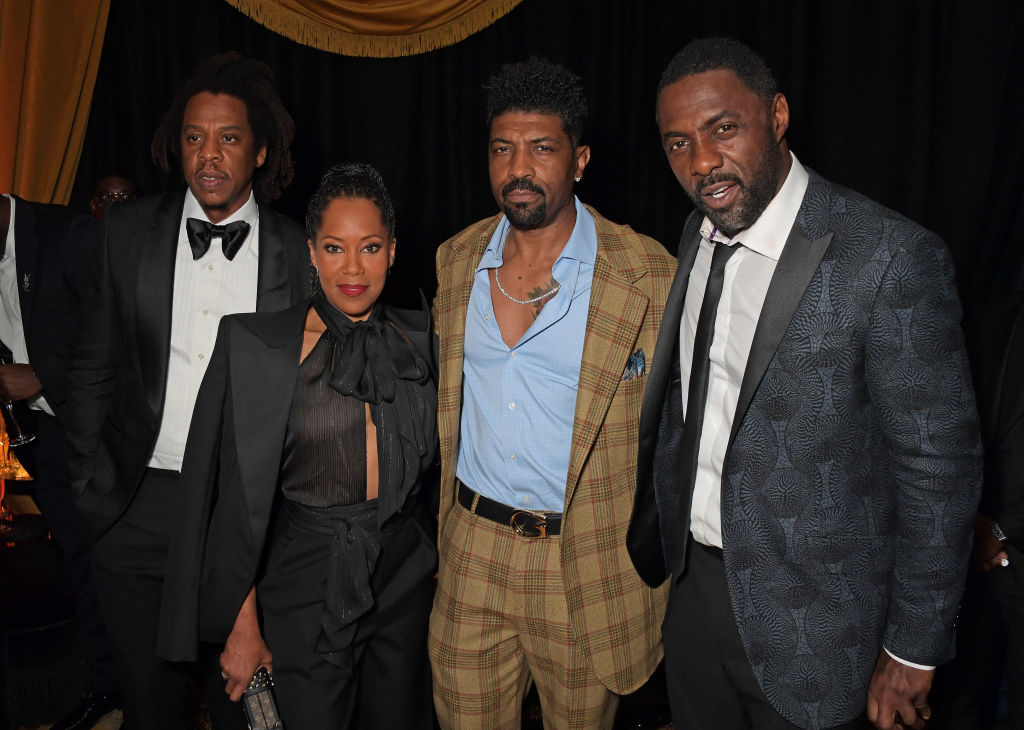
[[808, 440]]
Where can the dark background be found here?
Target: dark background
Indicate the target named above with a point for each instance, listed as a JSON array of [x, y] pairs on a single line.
[[915, 103]]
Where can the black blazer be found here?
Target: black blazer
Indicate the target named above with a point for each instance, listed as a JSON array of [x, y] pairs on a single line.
[[118, 366], [996, 341], [52, 245], [231, 468]]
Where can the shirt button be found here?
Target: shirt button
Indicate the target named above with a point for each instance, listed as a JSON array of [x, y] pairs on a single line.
[[487, 317], [512, 457], [511, 406], [526, 499], [202, 356], [210, 267], [515, 355], [206, 312]]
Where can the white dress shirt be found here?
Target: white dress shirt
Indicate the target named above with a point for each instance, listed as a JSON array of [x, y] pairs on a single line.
[[747, 276], [12, 330], [204, 291]]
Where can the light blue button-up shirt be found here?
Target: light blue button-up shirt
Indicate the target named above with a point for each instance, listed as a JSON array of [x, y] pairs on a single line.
[[518, 403]]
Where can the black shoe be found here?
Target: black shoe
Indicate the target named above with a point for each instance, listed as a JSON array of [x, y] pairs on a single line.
[[92, 707]]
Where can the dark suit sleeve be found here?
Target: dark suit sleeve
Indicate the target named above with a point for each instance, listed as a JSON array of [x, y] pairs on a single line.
[[920, 387], [995, 339], [1010, 453], [73, 259], [92, 363], [178, 631]]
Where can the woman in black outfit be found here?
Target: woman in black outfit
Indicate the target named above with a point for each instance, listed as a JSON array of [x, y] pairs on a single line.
[[310, 436]]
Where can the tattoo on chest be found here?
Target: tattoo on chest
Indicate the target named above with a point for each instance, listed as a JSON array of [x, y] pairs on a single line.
[[538, 291]]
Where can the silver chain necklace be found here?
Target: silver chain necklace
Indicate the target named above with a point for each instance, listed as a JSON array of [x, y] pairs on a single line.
[[536, 299], [508, 296]]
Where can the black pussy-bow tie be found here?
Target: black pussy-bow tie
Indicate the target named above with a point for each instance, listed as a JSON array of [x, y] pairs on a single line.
[[200, 233]]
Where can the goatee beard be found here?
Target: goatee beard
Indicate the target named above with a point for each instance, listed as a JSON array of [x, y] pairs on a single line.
[[751, 200], [521, 215]]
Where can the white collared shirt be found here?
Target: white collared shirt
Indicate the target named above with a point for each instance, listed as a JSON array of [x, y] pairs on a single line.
[[204, 291], [747, 276], [12, 329]]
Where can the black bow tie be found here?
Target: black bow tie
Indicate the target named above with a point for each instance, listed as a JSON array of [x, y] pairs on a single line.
[[200, 233]]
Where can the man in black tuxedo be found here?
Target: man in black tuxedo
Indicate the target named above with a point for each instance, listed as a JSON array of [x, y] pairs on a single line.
[[990, 630], [163, 272], [41, 270], [809, 453]]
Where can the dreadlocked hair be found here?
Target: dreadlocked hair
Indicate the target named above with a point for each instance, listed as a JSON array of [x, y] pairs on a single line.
[[539, 85], [252, 82], [350, 180]]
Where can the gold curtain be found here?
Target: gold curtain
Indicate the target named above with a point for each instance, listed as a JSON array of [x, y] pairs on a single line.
[[378, 28], [49, 55]]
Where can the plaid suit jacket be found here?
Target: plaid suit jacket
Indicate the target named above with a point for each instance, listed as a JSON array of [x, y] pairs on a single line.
[[613, 613]]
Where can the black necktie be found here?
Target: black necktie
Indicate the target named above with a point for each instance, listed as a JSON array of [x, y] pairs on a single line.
[[200, 233], [697, 397]]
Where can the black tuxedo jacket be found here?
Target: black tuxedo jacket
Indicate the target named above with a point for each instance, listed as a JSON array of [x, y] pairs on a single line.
[[118, 367], [51, 249], [231, 468], [996, 340], [854, 462]]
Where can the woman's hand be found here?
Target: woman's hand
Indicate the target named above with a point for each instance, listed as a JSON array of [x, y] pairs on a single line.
[[244, 650]]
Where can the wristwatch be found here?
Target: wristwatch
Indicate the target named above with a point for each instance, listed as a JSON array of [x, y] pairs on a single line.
[[997, 532]]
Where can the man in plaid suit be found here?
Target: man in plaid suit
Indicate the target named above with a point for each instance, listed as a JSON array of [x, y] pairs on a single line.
[[548, 315]]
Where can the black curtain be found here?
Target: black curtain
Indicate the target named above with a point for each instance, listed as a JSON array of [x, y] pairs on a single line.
[[916, 103]]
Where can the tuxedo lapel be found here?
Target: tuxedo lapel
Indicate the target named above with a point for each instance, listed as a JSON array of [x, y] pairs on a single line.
[[262, 375], [796, 267], [26, 246], [613, 299], [272, 290], [155, 294]]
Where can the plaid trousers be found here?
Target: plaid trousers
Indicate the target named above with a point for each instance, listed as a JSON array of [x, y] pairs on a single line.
[[499, 621]]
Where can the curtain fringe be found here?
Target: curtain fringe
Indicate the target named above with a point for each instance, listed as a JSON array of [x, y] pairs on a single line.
[[309, 32]]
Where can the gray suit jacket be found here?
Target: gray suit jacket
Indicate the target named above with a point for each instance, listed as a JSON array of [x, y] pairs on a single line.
[[853, 468], [118, 371]]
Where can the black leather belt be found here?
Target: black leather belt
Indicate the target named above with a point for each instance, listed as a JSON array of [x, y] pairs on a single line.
[[709, 549], [522, 522]]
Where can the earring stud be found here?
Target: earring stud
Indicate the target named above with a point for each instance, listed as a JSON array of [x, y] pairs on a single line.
[[578, 179]]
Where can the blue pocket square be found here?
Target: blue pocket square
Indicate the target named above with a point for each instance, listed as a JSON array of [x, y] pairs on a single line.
[[635, 366]]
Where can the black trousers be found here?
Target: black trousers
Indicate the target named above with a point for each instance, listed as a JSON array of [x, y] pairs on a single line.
[[710, 683], [129, 563], [382, 679], [46, 458], [990, 639]]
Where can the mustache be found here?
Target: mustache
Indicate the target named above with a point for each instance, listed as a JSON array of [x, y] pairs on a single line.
[[521, 184], [717, 179]]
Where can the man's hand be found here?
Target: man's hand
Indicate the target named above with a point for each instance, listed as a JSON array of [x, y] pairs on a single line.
[[898, 694], [987, 552], [18, 382], [244, 650]]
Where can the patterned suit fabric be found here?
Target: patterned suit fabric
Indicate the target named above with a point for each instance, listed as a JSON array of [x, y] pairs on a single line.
[[611, 611], [854, 466]]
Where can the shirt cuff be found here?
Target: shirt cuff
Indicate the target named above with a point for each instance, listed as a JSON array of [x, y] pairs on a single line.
[[38, 403], [909, 664]]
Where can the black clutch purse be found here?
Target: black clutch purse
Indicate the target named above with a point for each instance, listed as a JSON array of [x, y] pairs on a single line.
[[258, 701]]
